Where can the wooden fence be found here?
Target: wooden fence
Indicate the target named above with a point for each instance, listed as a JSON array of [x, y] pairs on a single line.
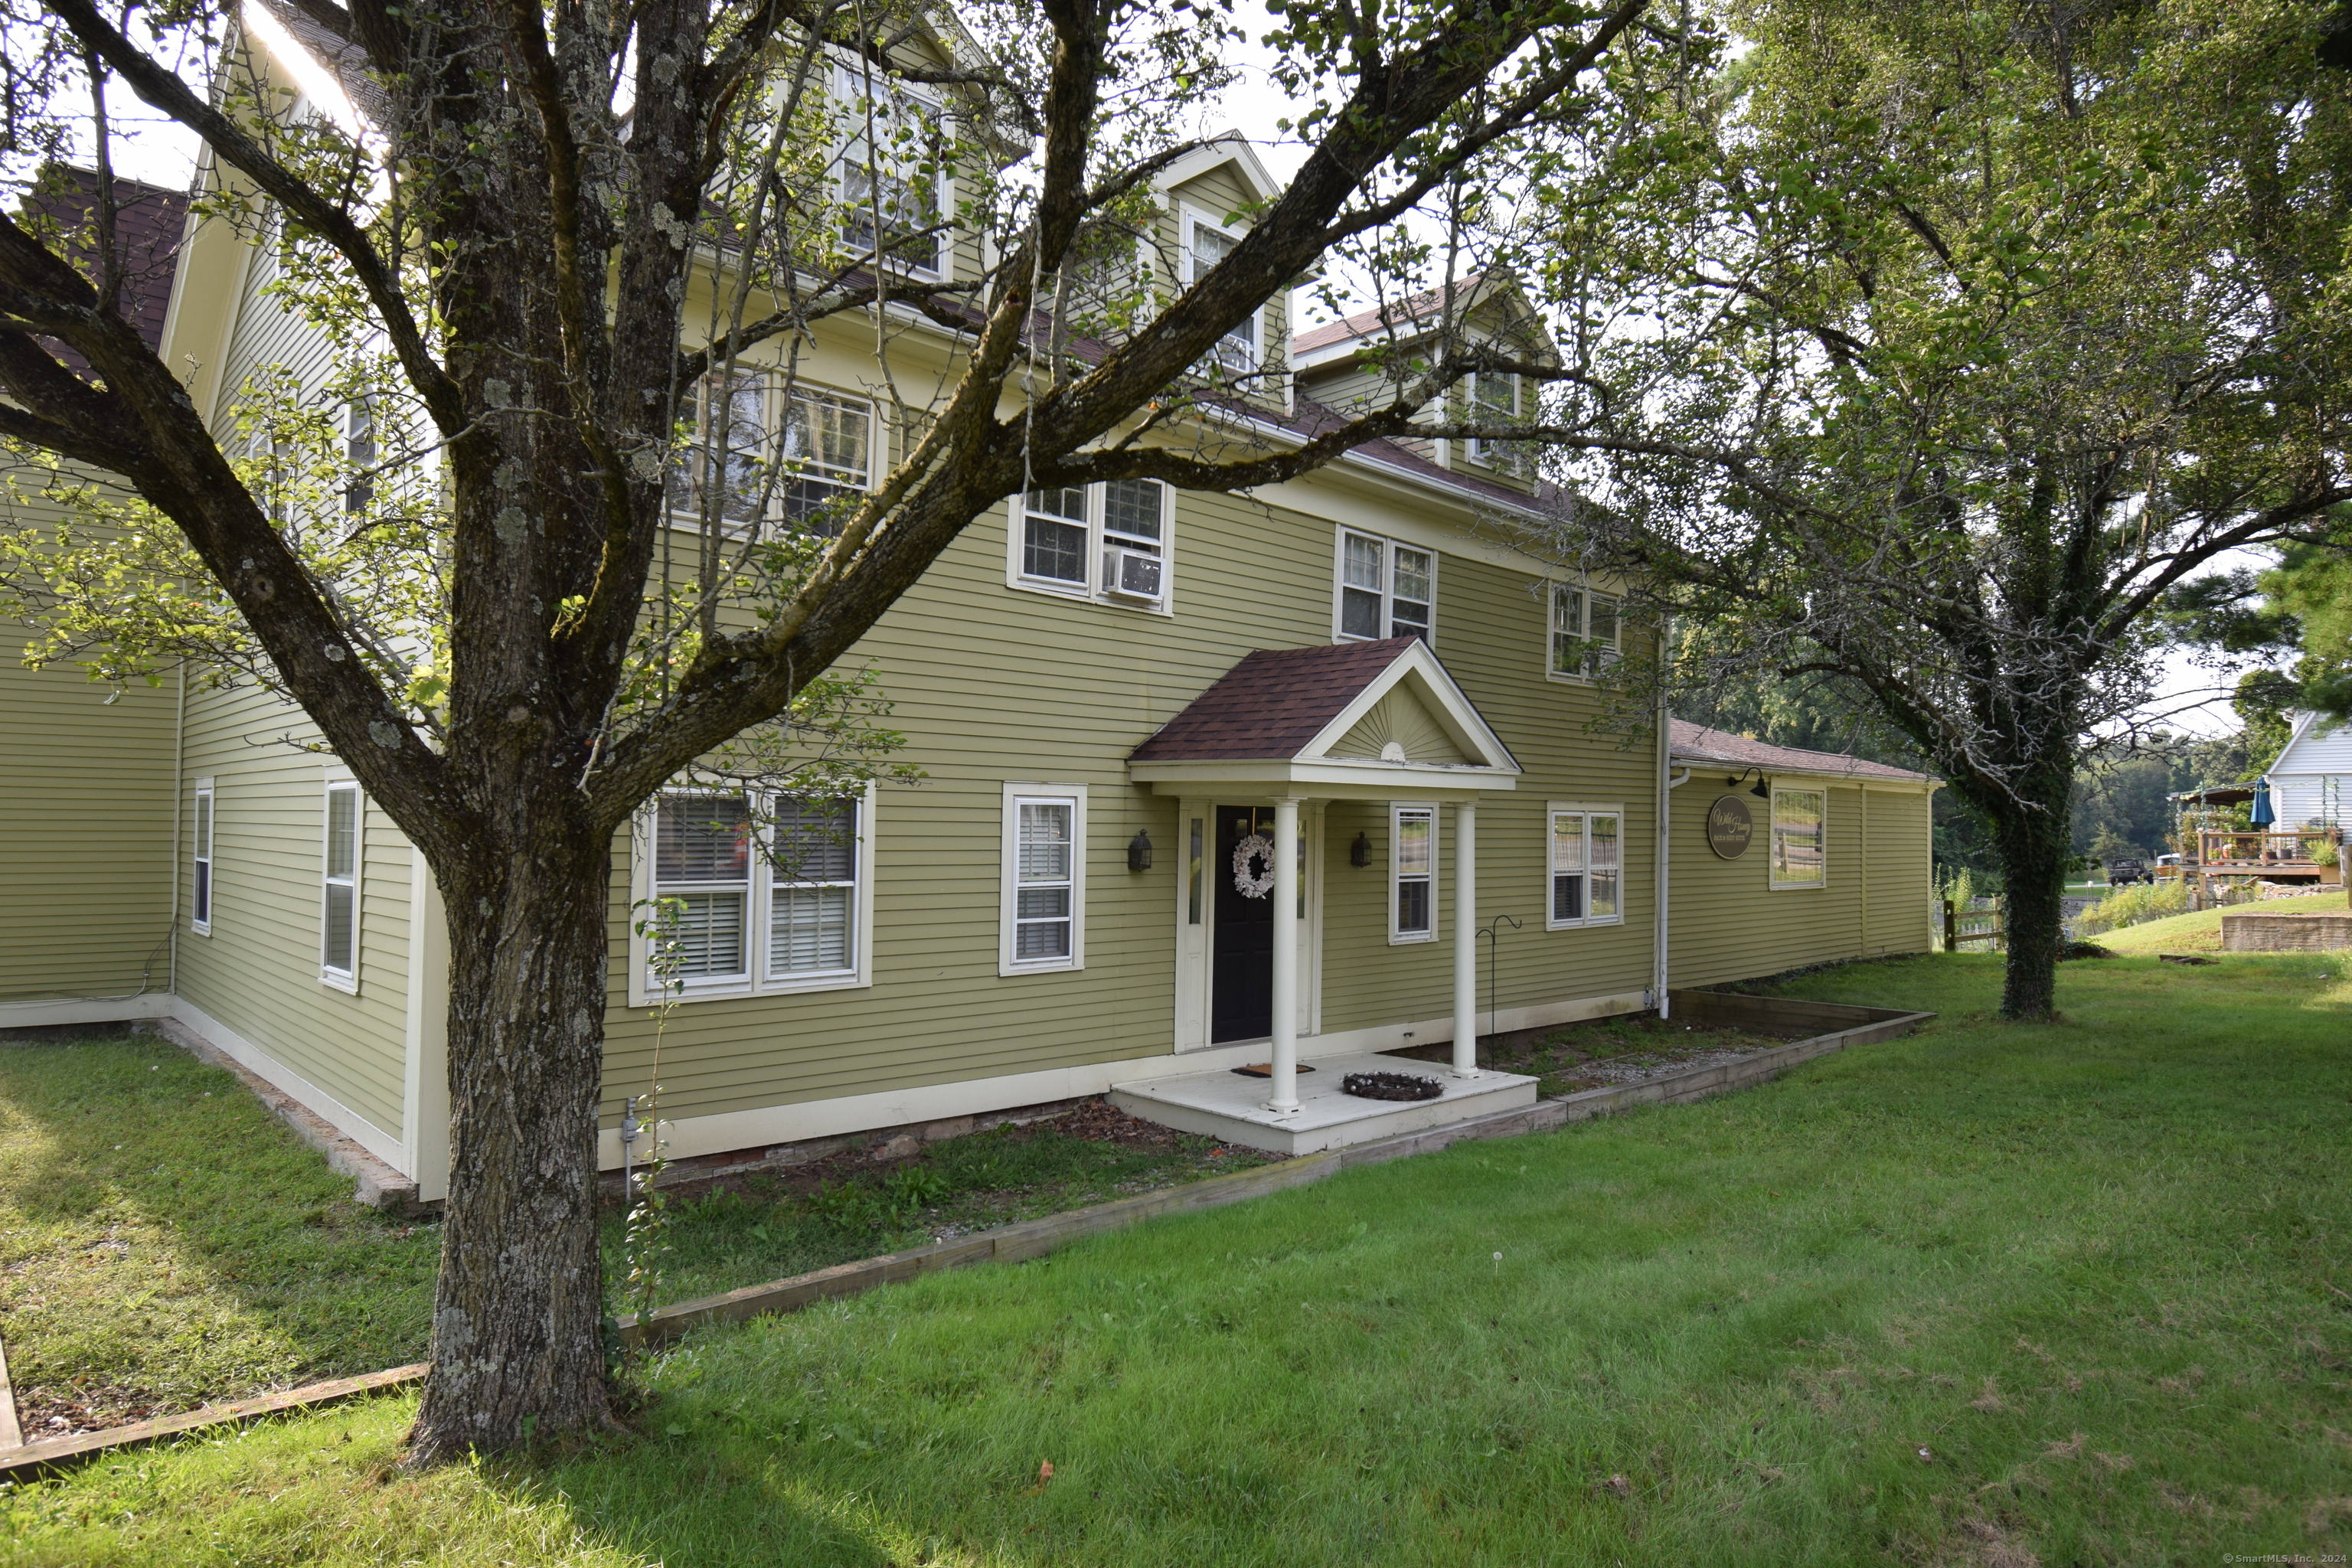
[[1986, 926]]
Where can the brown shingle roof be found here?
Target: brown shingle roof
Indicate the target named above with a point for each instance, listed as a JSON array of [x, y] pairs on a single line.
[[1363, 323], [149, 221], [1698, 743], [1267, 707]]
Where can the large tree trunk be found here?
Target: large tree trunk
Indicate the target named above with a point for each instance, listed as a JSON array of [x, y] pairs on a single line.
[[518, 1344], [2031, 841]]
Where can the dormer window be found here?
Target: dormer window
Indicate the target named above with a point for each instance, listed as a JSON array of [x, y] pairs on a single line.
[[1495, 400], [1206, 244], [893, 174]]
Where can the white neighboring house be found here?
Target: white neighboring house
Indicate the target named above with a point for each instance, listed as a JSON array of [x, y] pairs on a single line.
[[2311, 782]]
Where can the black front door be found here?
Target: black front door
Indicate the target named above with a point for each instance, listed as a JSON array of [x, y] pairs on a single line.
[[1242, 972]]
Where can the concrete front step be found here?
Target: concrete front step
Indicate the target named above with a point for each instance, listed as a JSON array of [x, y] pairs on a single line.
[[1230, 1108]]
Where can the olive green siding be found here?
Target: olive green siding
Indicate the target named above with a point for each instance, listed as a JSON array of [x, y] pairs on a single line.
[[994, 684], [257, 973], [86, 837], [1729, 923]]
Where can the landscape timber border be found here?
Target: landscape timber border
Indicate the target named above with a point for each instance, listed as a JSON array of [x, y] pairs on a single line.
[[1850, 1025]]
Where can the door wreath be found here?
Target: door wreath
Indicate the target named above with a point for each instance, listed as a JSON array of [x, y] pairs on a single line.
[[1248, 883]]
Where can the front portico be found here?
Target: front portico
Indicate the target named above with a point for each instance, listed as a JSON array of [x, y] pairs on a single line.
[[1253, 761]]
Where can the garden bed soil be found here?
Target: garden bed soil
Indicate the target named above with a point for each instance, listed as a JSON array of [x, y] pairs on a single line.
[[1625, 1049]]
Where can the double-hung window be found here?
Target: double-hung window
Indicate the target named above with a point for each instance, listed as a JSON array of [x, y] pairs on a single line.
[[200, 903], [1800, 837], [813, 889], [825, 449], [756, 894], [1385, 589], [339, 905], [1044, 914], [1205, 245], [359, 457], [760, 454], [1586, 631], [893, 171], [1495, 400], [1587, 861], [1105, 541], [1413, 873], [723, 474], [702, 879]]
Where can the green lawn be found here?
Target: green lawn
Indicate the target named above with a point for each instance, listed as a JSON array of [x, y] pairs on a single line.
[[166, 1243], [2072, 1293], [2200, 931], [165, 1240]]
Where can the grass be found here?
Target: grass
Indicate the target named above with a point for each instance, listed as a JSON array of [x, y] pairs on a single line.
[[770, 1227], [2200, 931], [165, 1242], [2062, 1293]]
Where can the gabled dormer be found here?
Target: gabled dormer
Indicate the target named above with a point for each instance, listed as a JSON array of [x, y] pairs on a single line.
[[1363, 361]]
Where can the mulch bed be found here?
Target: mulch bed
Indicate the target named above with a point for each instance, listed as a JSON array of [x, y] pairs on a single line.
[[1617, 1050], [1098, 1121]]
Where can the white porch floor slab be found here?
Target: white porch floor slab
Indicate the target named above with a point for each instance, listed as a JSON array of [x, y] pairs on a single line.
[[1228, 1107]]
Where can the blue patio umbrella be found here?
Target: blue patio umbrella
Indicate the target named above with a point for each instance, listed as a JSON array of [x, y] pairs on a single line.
[[2264, 815]]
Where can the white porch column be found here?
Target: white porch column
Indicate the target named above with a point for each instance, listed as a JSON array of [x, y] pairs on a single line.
[[1465, 940], [1285, 957]]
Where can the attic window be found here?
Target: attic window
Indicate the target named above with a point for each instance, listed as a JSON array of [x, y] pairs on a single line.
[[893, 169], [1495, 400], [1205, 245]]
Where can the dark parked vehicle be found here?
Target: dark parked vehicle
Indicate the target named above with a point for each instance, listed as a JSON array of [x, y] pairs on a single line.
[[2121, 872]]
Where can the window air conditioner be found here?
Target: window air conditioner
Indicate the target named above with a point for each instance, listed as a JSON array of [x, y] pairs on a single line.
[[1134, 575]]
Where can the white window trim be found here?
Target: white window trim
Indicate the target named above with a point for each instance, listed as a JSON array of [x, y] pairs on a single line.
[[1551, 609], [1554, 809], [1388, 544], [337, 979], [773, 394], [1008, 877], [1773, 813], [1191, 218], [203, 855], [1482, 452], [1396, 845], [1091, 591], [851, 82], [757, 914]]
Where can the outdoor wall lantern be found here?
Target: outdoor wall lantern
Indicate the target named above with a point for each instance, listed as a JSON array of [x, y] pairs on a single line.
[[1360, 853], [1762, 790], [1138, 851]]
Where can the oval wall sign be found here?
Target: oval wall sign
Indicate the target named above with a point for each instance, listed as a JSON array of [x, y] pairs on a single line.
[[1729, 827]]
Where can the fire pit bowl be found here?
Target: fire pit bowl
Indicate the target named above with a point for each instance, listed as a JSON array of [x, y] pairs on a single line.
[[1390, 1086]]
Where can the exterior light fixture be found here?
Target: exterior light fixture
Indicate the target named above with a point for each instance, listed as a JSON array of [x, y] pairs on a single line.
[[1138, 851], [1360, 853], [1762, 791]]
